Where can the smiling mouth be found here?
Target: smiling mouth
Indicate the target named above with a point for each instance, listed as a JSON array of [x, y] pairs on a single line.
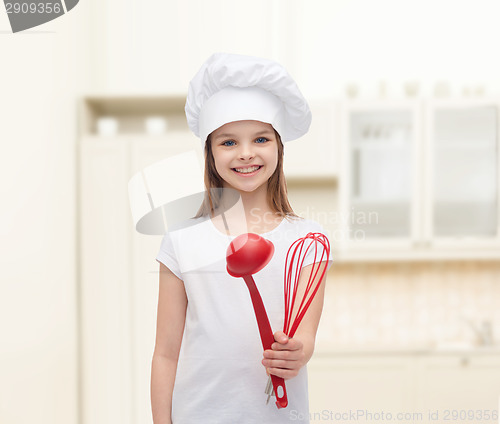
[[247, 170]]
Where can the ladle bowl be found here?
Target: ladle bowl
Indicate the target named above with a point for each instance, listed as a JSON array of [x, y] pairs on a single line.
[[247, 254]]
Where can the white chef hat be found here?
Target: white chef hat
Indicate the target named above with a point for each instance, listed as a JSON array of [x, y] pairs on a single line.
[[232, 87]]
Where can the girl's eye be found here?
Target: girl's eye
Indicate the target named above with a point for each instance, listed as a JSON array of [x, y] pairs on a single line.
[[262, 140], [228, 143]]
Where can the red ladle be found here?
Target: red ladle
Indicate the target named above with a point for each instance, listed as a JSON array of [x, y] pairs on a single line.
[[247, 254]]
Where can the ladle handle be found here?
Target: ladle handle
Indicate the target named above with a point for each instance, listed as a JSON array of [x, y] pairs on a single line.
[[266, 336]]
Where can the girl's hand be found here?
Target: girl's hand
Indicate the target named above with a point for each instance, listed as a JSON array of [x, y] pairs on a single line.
[[286, 357]]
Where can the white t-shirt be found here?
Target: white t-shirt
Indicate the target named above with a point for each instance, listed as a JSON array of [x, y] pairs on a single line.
[[220, 378]]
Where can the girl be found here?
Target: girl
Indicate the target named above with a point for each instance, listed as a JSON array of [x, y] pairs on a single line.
[[208, 365]]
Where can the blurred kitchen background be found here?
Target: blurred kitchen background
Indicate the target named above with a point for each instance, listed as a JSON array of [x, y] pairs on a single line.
[[401, 167]]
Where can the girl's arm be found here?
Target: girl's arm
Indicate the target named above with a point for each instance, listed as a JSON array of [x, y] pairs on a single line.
[[289, 355], [172, 303]]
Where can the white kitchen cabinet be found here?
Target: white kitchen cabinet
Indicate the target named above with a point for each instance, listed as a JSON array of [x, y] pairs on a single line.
[[462, 178], [414, 384], [352, 383], [378, 188], [419, 180], [118, 278], [461, 387], [314, 155], [105, 268]]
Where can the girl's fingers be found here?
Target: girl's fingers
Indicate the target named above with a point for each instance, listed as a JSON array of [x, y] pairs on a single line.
[[283, 373], [279, 363], [279, 346], [283, 342], [289, 355], [292, 344], [281, 337]]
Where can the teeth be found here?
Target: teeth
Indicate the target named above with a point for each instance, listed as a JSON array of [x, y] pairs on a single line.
[[246, 170]]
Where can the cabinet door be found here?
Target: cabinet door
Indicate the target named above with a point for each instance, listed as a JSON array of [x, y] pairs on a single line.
[[372, 383], [105, 296], [379, 190], [119, 276], [461, 388], [462, 173], [314, 154]]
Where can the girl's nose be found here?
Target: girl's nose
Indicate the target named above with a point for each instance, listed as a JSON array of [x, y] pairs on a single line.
[[246, 152]]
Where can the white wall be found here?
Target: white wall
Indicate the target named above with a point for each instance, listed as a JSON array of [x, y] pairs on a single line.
[[42, 70], [368, 41], [157, 46], [325, 44]]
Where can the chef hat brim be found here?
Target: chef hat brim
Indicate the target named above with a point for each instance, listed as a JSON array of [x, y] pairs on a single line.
[[231, 87]]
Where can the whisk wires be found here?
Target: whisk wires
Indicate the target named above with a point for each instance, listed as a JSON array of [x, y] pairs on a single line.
[[296, 255]]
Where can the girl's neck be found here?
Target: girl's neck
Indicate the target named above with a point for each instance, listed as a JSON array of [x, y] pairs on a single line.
[[251, 213], [255, 200]]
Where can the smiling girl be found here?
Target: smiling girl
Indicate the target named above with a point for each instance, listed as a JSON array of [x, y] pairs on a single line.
[[208, 365]]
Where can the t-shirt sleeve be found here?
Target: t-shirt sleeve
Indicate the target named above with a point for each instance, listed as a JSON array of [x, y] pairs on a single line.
[[167, 255], [318, 250]]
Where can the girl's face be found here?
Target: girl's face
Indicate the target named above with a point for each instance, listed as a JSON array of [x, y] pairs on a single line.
[[245, 154]]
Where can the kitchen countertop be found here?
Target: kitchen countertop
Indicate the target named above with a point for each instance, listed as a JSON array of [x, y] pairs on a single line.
[[324, 351]]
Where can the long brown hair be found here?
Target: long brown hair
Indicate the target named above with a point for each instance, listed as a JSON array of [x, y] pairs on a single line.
[[277, 193]]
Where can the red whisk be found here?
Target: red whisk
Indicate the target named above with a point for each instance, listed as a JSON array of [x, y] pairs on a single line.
[[294, 262]]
